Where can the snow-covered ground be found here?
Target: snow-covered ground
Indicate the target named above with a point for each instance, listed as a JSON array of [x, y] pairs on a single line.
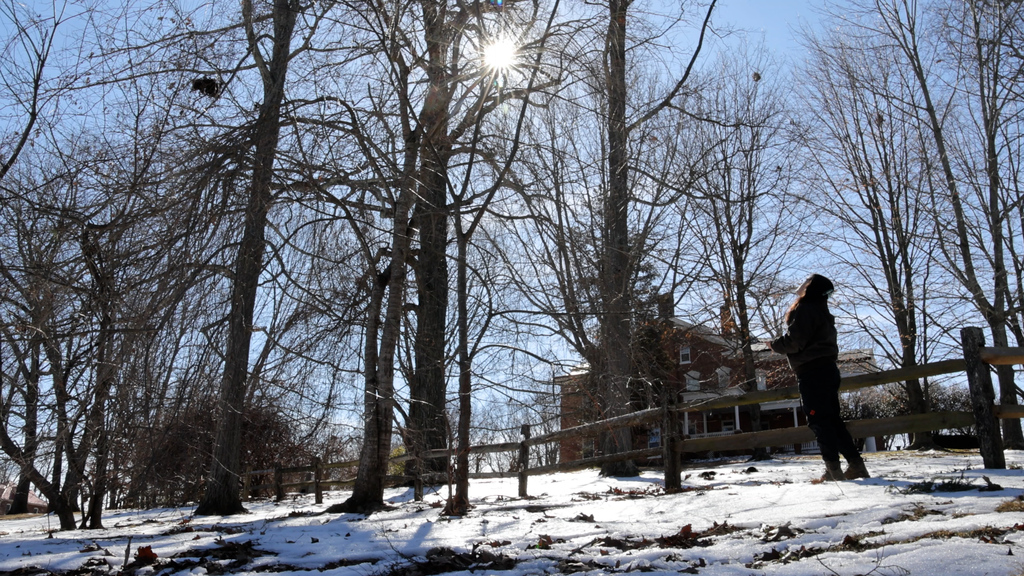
[[735, 518]]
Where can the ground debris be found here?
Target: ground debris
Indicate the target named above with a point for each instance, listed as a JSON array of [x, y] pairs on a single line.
[[989, 486], [442, 560], [544, 542], [779, 533], [637, 493], [988, 535], [954, 484], [541, 508], [687, 537], [229, 550], [568, 566], [1015, 505], [850, 543], [784, 556], [92, 567], [857, 543], [916, 513]]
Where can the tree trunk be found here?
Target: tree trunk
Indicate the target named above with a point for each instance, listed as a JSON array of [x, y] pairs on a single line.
[[95, 512], [459, 505], [29, 430], [222, 485], [379, 350], [615, 273], [60, 502], [1011, 427], [749, 366], [382, 334], [95, 433], [428, 426], [906, 325], [378, 408]]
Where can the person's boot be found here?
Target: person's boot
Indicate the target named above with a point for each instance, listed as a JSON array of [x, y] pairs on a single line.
[[856, 470], [833, 472]]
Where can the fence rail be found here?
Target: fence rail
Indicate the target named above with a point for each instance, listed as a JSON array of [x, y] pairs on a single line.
[[984, 416]]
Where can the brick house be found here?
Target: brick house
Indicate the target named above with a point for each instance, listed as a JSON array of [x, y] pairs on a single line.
[[695, 362], [35, 504]]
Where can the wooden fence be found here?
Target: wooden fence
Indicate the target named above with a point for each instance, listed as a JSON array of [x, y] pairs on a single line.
[[975, 362]]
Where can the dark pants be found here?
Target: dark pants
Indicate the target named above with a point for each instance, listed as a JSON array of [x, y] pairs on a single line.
[[819, 393]]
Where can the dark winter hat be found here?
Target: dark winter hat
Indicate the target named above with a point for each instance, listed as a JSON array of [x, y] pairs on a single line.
[[816, 286]]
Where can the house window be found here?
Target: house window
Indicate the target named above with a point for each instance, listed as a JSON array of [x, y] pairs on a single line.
[[684, 355], [588, 448], [723, 377], [762, 379], [728, 425], [693, 381], [654, 438]]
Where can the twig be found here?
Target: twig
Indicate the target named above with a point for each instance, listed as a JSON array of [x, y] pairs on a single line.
[[587, 545], [127, 552]]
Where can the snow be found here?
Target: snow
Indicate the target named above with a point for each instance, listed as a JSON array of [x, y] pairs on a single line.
[[733, 518]]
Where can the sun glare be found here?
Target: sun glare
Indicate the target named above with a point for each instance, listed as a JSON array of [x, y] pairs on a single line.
[[500, 55]]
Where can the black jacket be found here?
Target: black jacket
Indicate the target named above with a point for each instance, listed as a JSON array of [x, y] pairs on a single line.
[[810, 334]]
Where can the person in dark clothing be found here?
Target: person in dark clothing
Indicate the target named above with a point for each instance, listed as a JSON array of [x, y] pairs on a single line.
[[810, 345]]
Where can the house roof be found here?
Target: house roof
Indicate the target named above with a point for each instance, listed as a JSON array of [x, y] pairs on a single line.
[[7, 494], [852, 362], [701, 331], [859, 361]]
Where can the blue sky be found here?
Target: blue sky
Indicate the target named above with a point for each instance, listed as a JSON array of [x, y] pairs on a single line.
[[778, 20]]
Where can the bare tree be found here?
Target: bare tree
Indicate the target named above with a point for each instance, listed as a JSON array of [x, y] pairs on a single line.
[[90, 291], [739, 210], [981, 37], [470, 211], [222, 487], [863, 140], [590, 252], [973, 241], [39, 342], [28, 87], [417, 133], [372, 180]]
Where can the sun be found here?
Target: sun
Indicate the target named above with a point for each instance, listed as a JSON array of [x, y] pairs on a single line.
[[500, 55]]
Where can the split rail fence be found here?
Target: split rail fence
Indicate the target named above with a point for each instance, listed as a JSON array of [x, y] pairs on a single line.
[[984, 416]]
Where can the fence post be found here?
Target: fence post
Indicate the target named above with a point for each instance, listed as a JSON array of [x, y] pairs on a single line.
[[278, 483], [524, 460], [417, 475], [247, 482], [979, 380], [670, 444], [318, 473]]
